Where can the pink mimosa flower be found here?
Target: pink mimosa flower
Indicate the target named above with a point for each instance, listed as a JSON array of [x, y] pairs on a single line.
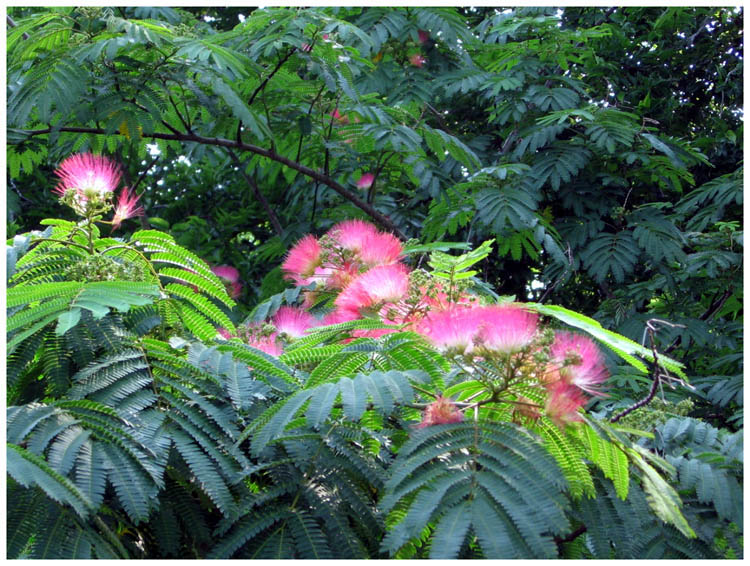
[[371, 246], [126, 207], [579, 361], [351, 234], [306, 47], [380, 248], [417, 60], [338, 316], [302, 260], [293, 321], [88, 175], [366, 181], [506, 328], [452, 329], [226, 272], [424, 36], [336, 115], [266, 344], [342, 276], [231, 278], [563, 402], [370, 290], [225, 333], [441, 411]]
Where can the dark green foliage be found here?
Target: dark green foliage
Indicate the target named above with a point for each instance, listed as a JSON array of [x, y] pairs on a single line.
[[600, 148], [496, 478]]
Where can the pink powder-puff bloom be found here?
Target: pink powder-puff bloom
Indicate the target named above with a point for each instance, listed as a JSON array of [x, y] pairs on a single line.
[[424, 36], [366, 181], [226, 272], [302, 260], [342, 275], [88, 175], [579, 361], [417, 60], [506, 328], [441, 411], [452, 329], [336, 115], [266, 344], [371, 246], [224, 333], [380, 248], [126, 207], [337, 316], [563, 402], [306, 47], [231, 278], [293, 321], [370, 290], [351, 234]]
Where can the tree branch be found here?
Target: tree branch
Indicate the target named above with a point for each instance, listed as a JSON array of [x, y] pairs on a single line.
[[262, 85], [13, 24], [382, 219], [657, 375]]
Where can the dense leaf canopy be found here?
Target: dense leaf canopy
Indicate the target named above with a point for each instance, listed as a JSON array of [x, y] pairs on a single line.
[[600, 149]]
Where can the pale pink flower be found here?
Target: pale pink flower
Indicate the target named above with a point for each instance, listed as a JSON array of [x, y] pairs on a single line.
[[506, 328], [366, 181], [579, 361], [231, 278], [293, 321], [351, 234], [372, 289], [441, 411], [371, 246], [337, 316], [88, 175], [563, 402], [257, 336], [225, 333], [336, 115], [452, 329], [126, 207], [342, 275], [302, 260], [417, 60], [306, 47], [380, 248], [226, 272], [266, 344], [424, 36]]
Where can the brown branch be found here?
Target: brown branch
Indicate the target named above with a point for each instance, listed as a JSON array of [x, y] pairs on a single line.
[[382, 219], [656, 374], [258, 195], [262, 85], [13, 24]]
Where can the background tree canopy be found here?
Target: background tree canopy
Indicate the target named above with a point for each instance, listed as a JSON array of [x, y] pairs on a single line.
[[600, 148]]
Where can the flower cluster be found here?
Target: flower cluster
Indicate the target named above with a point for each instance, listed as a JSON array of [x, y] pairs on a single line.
[[359, 272], [87, 184]]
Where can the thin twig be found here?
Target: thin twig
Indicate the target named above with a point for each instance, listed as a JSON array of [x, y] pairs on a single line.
[[657, 375]]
